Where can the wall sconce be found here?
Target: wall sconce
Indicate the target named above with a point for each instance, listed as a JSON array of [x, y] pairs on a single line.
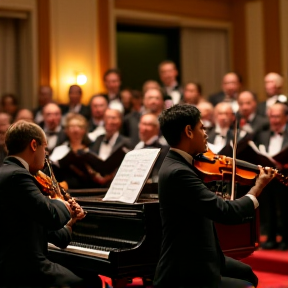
[[81, 79]]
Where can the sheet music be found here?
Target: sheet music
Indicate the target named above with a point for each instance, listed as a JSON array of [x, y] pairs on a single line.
[[132, 175]]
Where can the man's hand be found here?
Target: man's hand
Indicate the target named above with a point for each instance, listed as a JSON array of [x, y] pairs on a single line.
[[77, 211], [265, 176]]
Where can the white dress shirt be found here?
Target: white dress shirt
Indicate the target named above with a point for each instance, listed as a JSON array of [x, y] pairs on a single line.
[[106, 148]]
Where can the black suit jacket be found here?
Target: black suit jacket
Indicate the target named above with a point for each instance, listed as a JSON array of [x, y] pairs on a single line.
[[120, 141], [216, 98], [130, 127], [190, 252], [258, 124], [84, 110], [261, 109], [29, 220], [264, 138]]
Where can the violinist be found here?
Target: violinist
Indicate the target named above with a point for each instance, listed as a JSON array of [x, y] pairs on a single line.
[[190, 253], [29, 219]]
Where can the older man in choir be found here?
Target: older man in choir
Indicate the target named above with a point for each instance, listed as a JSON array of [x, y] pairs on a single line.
[[109, 142], [221, 134], [275, 196], [153, 102], [149, 129], [168, 74], [231, 85], [247, 115], [98, 106], [273, 87], [52, 126], [45, 96]]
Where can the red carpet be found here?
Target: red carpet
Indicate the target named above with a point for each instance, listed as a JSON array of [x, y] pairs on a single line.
[[271, 267]]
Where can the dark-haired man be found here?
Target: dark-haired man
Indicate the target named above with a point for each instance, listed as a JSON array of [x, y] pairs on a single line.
[[75, 105], [36, 219], [231, 85], [168, 74], [190, 253]]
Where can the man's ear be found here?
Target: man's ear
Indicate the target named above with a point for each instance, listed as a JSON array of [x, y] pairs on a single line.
[[33, 145], [188, 131]]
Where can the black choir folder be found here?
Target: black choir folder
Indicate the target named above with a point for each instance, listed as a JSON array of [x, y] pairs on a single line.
[[251, 153], [85, 156], [132, 175]]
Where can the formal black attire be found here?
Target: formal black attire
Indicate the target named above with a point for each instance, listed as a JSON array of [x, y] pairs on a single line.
[[84, 110], [34, 220], [190, 252], [130, 127], [257, 124], [65, 169], [274, 198], [3, 154], [168, 96], [216, 98], [60, 135]]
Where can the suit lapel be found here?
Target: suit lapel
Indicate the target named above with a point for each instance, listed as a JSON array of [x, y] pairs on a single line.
[[285, 137]]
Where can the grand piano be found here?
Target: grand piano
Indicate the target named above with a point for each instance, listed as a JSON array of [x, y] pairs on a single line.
[[122, 241]]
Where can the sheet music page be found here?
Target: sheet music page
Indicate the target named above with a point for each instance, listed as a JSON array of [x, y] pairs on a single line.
[[132, 175]]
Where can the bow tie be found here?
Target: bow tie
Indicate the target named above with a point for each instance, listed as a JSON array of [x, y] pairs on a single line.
[[51, 133], [276, 133], [106, 141], [221, 135]]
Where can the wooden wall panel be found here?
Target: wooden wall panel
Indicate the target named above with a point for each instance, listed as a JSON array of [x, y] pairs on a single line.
[[239, 51], [271, 16], [43, 14], [211, 9], [103, 40]]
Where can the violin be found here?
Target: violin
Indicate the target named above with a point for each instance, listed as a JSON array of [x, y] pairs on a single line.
[[50, 187], [214, 167]]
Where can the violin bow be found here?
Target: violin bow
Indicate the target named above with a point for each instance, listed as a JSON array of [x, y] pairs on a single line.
[[234, 160]]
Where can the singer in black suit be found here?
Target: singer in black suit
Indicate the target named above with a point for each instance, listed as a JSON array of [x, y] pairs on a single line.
[[275, 197], [190, 253], [35, 219]]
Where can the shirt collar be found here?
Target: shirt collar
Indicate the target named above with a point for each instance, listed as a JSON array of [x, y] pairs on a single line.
[[152, 140], [75, 108], [184, 154], [113, 139], [58, 129], [251, 117], [23, 162], [221, 131]]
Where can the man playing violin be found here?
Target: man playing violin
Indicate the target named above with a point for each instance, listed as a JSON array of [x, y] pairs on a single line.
[[29, 219], [190, 254]]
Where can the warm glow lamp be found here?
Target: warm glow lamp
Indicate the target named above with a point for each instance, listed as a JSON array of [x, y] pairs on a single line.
[[81, 79]]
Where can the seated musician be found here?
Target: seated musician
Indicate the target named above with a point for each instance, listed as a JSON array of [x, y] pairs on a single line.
[[35, 219], [76, 131], [190, 253], [109, 142]]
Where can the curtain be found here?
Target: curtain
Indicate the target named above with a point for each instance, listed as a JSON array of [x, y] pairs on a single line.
[[205, 57], [8, 56]]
